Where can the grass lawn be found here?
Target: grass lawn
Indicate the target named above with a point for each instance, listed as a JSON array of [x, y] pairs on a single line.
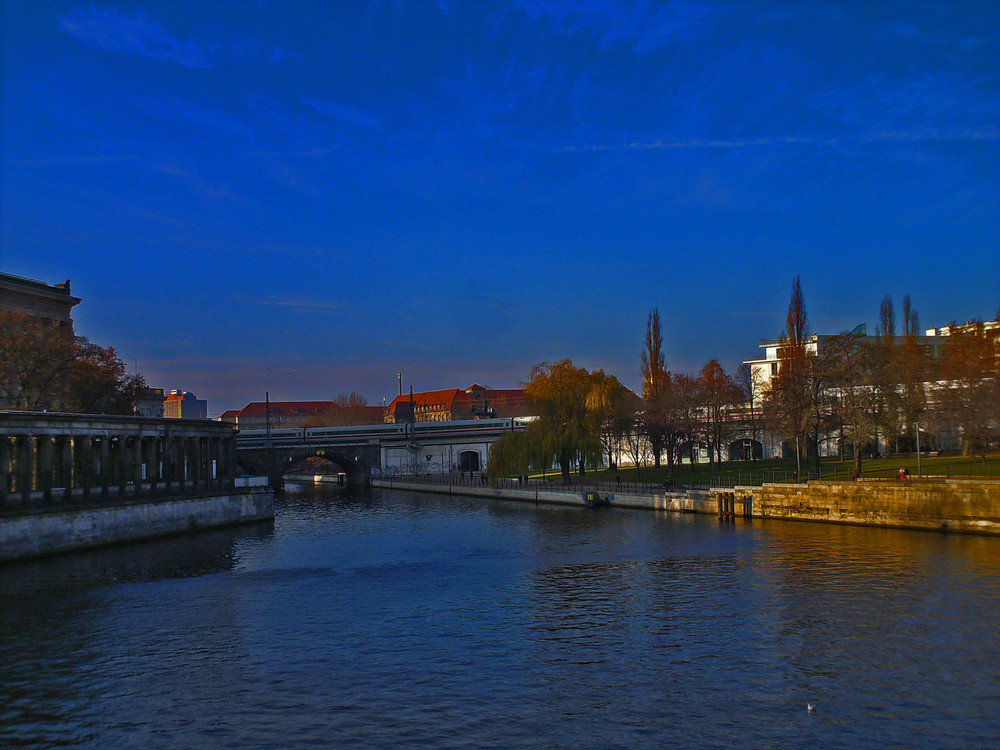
[[754, 472]]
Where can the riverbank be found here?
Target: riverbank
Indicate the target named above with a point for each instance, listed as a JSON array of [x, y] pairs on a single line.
[[956, 505], [36, 533]]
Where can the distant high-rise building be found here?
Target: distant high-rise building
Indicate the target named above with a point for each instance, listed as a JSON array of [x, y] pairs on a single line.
[[149, 403], [184, 405]]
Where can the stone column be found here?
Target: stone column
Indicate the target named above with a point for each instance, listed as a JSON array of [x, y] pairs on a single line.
[[153, 464], [105, 459], [171, 462], [4, 469], [229, 456], [66, 467], [181, 464], [203, 468], [26, 468], [45, 468], [192, 453], [85, 457], [124, 469], [135, 451], [212, 461]]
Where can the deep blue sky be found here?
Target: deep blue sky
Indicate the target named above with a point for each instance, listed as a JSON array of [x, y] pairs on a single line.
[[461, 190]]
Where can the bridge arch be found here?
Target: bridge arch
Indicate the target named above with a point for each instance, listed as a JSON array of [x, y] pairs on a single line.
[[357, 469], [355, 461]]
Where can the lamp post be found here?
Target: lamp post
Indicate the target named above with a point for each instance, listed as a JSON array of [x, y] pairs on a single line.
[[267, 431]]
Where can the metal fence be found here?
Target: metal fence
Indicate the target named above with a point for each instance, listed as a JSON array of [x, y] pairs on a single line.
[[966, 470]]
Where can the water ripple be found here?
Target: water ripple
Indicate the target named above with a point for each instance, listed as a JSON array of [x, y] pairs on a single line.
[[400, 620]]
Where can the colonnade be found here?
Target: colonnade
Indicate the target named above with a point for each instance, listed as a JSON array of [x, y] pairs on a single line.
[[50, 459]]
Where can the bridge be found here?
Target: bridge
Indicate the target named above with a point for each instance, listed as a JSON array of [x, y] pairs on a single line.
[[49, 459], [428, 447]]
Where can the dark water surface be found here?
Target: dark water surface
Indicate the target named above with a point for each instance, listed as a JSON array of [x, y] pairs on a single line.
[[406, 620]]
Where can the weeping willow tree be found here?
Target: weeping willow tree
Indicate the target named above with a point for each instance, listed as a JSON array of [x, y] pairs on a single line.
[[510, 454], [572, 406]]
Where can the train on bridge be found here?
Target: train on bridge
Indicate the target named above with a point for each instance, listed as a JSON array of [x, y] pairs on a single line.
[[354, 434]]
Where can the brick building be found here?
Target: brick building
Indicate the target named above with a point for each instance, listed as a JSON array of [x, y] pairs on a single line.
[[254, 416]]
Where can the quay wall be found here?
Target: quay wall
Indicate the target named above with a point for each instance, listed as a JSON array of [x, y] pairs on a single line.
[[687, 502], [956, 505], [965, 505], [51, 531]]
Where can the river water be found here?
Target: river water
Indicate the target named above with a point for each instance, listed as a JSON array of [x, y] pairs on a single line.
[[408, 620]]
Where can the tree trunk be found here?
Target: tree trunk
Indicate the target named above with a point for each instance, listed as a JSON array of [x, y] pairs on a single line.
[[564, 467]]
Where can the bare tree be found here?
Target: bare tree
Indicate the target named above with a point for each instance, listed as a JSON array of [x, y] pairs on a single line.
[[748, 382], [719, 396], [852, 396], [969, 391], [792, 395], [654, 377], [912, 367], [680, 416]]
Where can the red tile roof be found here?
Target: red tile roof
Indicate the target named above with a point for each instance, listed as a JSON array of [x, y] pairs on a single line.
[[445, 398], [257, 408]]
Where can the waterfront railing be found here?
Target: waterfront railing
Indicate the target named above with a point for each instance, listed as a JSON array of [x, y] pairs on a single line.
[[966, 470]]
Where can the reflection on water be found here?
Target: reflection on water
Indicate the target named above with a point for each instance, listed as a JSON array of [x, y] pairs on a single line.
[[396, 619]]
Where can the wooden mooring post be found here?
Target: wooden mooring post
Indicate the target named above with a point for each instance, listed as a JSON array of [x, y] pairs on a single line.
[[727, 505]]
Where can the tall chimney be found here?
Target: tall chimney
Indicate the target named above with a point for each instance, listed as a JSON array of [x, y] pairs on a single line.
[[399, 379]]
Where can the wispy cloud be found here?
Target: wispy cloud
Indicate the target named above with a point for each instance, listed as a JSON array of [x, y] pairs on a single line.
[[134, 34], [71, 160], [304, 304], [909, 135], [215, 120], [138, 34], [192, 179], [705, 143], [936, 134], [634, 26], [344, 113]]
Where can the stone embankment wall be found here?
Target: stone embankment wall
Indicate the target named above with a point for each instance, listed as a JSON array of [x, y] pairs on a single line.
[[51, 531], [967, 505]]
